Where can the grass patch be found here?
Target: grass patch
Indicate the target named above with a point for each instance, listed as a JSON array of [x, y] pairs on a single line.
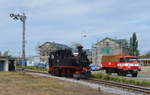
[[120, 80], [15, 83], [33, 68]]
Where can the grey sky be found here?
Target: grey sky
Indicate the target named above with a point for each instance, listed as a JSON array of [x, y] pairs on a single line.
[[64, 21]]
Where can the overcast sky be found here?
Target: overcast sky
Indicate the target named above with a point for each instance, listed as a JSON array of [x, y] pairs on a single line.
[[66, 21]]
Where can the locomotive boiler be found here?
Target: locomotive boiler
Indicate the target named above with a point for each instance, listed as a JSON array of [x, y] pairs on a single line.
[[64, 63]]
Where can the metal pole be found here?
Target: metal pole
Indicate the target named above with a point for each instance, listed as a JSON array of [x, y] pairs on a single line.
[[22, 18], [23, 43]]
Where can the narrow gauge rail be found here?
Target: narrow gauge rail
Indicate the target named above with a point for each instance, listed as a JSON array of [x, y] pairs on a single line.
[[134, 88]]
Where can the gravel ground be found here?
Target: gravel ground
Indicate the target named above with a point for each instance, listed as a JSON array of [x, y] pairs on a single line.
[[140, 77], [113, 90], [145, 73]]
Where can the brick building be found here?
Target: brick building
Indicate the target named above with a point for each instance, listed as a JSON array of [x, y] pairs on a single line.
[[108, 47], [48, 47]]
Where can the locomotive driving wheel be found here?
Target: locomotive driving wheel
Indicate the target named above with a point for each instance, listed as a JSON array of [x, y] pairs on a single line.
[[57, 72]]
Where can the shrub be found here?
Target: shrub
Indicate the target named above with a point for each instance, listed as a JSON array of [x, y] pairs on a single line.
[[121, 80]]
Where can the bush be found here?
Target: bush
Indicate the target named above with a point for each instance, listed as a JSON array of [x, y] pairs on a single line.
[[121, 80]]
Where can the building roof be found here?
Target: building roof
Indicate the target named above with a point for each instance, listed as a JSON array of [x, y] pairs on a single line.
[[4, 56], [56, 45], [7, 57], [121, 42]]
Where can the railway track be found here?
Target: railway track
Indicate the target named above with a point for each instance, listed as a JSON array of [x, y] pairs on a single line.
[[134, 88], [129, 87]]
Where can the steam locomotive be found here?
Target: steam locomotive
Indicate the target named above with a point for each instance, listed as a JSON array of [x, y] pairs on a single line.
[[64, 63]]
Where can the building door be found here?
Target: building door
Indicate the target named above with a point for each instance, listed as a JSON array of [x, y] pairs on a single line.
[[2, 65], [11, 65], [106, 51]]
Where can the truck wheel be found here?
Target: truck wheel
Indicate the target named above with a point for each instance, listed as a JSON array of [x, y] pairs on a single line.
[[119, 73], [123, 73], [57, 72], [108, 72], [134, 74]]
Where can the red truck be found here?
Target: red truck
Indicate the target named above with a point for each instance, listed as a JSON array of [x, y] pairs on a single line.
[[122, 65]]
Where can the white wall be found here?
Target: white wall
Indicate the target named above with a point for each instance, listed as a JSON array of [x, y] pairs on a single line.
[[6, 66]]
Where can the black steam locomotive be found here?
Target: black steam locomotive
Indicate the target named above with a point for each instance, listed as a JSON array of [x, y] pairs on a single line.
[[64, 63]]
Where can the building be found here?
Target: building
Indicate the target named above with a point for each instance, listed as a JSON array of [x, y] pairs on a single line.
[[33, 60], [144, 60], [7, 63], [48, 47], [89, 54], [108, 47]]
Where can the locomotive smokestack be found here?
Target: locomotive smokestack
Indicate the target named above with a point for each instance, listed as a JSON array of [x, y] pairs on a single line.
[[79, 49]]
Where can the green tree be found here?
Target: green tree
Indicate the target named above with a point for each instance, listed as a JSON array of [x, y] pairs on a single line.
[[134, 45], [147, 54]]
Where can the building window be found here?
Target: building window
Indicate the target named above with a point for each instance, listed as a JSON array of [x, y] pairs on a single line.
[[107, 43]]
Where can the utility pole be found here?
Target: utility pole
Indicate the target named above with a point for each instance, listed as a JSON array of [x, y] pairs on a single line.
[[83, 35], [22, 18]]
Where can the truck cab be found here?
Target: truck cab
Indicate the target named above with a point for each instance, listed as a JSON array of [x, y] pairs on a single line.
[[122, 65]]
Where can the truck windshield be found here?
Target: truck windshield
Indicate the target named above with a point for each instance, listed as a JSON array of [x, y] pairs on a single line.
[[128, 60]]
